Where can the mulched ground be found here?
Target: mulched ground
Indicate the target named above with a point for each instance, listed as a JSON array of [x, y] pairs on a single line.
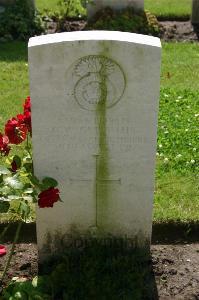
[[176, 31], [175, 267]]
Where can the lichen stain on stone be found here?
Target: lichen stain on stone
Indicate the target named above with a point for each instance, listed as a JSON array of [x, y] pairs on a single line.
[[102, 168]]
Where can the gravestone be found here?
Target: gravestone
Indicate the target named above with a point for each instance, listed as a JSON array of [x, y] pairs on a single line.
[[97, 5], [94, 117], [195, 12]]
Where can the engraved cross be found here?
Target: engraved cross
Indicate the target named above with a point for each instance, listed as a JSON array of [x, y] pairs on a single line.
[[98, 182]]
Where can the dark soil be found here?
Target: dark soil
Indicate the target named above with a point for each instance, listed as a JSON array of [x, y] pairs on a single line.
[[177, 31], [175, 268]]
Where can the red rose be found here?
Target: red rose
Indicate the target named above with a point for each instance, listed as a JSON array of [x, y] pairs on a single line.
[[26, 120], [27, 104], [2, 250], [16, 131], [4, 147], [48, 197]]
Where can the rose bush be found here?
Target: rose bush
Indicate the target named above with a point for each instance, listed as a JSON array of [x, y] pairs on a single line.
[[17, 180]]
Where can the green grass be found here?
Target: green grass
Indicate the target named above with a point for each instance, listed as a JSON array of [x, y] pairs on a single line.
[[177, 152], [180, 65], [169, 8], [176, 198], [14, 83]]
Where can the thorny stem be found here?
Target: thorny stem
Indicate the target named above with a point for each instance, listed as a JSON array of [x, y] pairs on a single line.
[[6, 228], [4, 231], [12, 250], [27, 145]]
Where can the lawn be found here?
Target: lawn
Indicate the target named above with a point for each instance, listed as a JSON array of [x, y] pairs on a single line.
[[169, 8], [176, 183]]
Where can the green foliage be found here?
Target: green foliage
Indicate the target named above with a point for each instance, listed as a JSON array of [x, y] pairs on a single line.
[[20, 21], [65, 9], [127, 20], [18, 186], [71, 8], [25, 290]]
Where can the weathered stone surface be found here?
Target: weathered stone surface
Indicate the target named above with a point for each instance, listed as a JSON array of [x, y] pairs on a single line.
[[96, 5], [94, 117], [195, 12]]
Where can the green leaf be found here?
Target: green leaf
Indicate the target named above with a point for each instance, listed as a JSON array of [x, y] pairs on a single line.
[[28, 191], [5, 190], [1, 178], [4, 206], [24, 209], [14, 183], [17, 159], [28, 198], [34, 180], [49, 182], [35, 281], [13, 197], [28, 167], [4, 170]]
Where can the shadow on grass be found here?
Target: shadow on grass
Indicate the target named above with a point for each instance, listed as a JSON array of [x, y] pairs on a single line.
[[13, 51]]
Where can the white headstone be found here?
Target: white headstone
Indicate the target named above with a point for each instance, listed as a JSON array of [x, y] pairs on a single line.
[[97, 5], [94, 116]]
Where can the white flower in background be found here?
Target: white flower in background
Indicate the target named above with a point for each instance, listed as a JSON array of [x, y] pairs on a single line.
[[188, 106], [166, 160], [190, 144], [26, 65], [161, 154], [179, 97], [177, 100], [187, 163], [166, 132], [194, 149], [166, 95], [179, 156], [160, 145], [196, 115], [186, 130], [157, 154], [192, 161]]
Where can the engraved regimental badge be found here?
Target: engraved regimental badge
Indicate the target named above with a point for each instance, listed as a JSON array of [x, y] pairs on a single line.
[[98, 79]]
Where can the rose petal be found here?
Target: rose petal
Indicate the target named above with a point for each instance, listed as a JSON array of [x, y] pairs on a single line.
[[2, 250]]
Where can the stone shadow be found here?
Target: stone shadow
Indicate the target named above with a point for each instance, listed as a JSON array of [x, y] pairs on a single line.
[[196, 29], [101, 269]]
